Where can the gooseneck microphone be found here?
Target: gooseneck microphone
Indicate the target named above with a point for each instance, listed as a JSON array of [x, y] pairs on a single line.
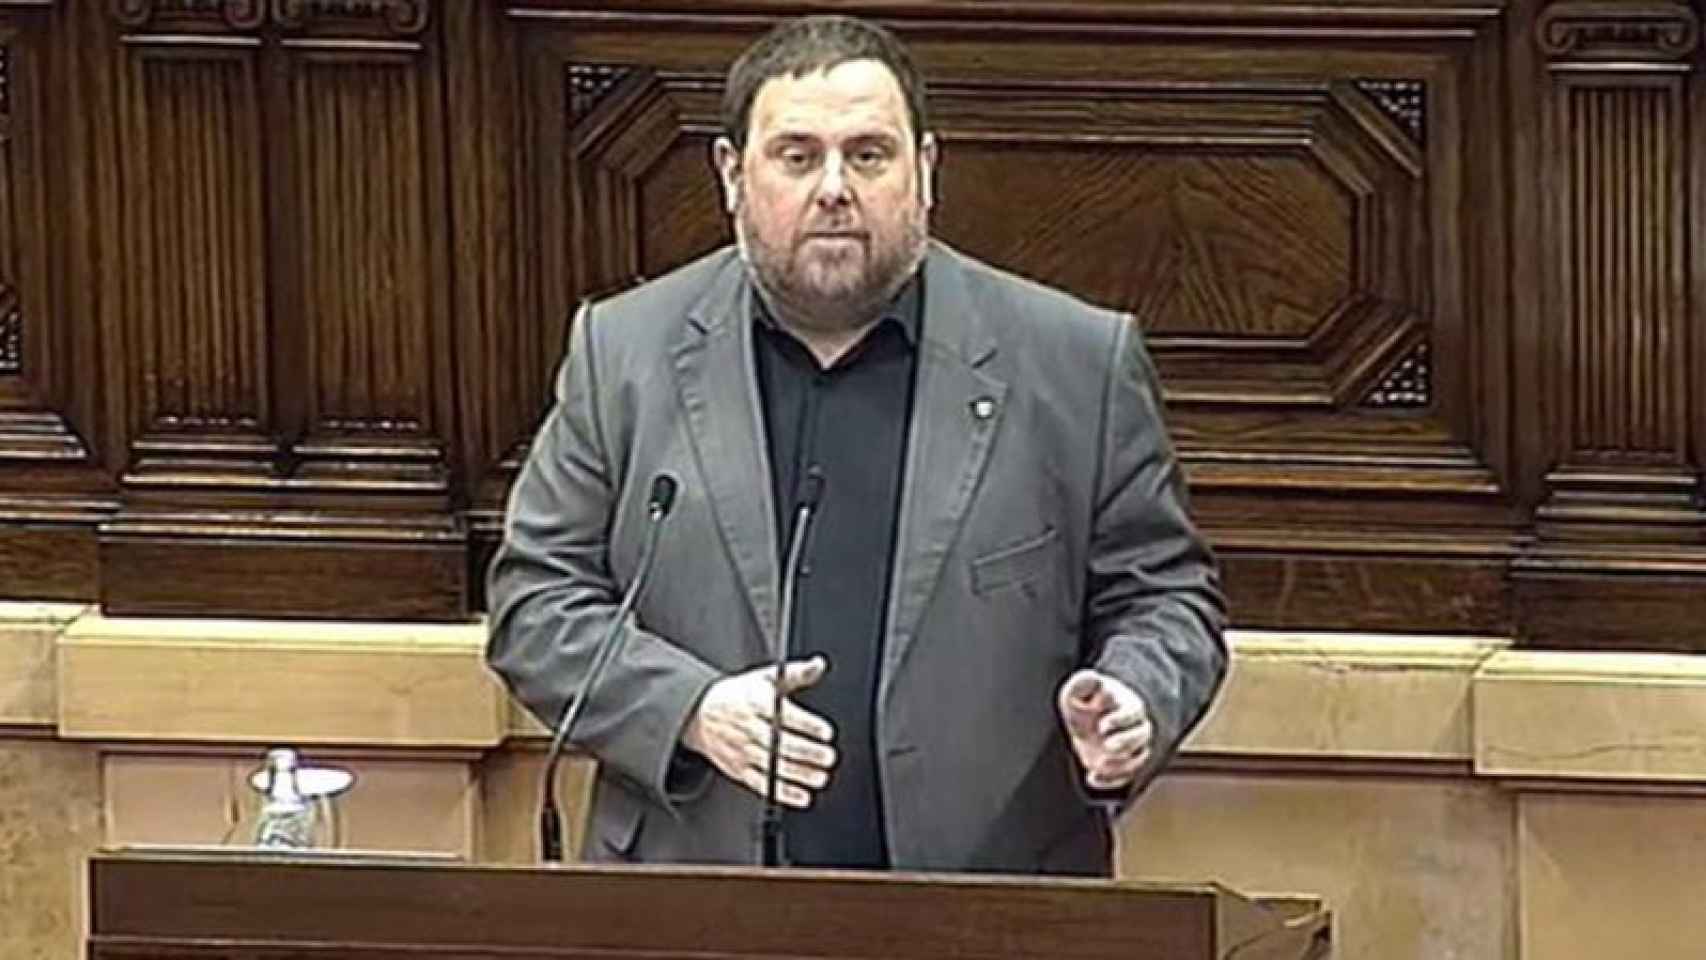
[[810, 495], [550, 821]]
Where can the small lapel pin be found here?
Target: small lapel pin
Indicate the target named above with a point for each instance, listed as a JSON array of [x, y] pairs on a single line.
[[983, 408]]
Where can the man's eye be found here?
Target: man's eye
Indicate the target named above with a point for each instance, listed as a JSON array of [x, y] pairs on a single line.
[[869, 158], [796, 159]]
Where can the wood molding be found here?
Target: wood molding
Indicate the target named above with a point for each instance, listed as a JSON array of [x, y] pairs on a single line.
[[1635, 34], [400, 17], [1356, 19]]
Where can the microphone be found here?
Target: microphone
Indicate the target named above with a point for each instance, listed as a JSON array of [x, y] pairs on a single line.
[[658, 505], [810, 494]]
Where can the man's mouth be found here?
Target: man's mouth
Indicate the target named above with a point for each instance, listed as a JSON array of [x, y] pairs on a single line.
[[835, 240]]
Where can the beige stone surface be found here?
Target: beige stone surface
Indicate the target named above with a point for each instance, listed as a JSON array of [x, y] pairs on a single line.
[[279, 633], [1412, 868], [509, 794], [417, 806], [1345, 695], [49, 823], [258, 681], [520, 723], [1591, 715], [1607, 876], [27, 635]]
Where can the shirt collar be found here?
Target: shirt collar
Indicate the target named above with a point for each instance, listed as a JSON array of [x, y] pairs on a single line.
[[905, 309]]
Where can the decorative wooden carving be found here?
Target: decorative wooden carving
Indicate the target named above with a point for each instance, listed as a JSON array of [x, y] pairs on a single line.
[[1405, 101], [589, 83], [288, 384], [1642, 31], [1409, 385], [238, 14], [402, 17], [1622, 528], [11, 333]]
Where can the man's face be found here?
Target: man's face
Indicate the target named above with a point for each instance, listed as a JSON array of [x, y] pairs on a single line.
[[829, 194]]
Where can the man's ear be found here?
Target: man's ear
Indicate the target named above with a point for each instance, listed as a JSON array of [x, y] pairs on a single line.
[[726, 158], [929, 155]]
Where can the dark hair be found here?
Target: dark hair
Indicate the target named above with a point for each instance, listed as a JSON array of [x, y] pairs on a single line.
[[808, 44]]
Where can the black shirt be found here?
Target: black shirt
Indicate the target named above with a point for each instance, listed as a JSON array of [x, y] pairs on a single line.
[[848, 422]]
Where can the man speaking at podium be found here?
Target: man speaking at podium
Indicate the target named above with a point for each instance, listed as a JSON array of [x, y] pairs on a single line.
[[1003, 621]]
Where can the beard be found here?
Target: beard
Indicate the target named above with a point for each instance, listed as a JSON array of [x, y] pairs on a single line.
[[837, 286]]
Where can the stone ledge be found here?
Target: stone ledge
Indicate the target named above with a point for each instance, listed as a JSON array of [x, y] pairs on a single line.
[[28, 632], [1324, 695], [1599, 716], [263, 681], [1301, 698]]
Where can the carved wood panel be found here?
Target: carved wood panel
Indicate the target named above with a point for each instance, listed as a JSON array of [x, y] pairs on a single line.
[[1624, 492], [286, 344], [195, 345], [51, 495], [368, 290], [31, 357], [1258, 232]]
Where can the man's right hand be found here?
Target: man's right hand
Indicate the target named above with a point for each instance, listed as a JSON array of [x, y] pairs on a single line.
[[732, 729]]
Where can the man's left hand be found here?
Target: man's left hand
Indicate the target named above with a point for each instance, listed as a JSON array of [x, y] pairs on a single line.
[[1109, 727]]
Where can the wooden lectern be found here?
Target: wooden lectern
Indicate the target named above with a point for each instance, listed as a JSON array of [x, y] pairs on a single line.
[[182, 905]]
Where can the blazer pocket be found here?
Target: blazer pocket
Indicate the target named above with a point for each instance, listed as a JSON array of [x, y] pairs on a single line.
[[1015, 564]]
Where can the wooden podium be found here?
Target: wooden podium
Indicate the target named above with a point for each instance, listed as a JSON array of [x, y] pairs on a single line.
[[201, 905]]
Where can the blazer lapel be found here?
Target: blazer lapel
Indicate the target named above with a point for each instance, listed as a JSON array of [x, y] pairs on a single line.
[[719, 393], [957, 409]]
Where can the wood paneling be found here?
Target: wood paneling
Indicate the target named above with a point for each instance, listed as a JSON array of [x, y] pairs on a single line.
[[1620, 558], [50, 493], [1417, 279], [287, 414]]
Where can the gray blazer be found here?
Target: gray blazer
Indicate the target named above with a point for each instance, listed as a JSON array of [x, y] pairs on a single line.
[[1043, 526]]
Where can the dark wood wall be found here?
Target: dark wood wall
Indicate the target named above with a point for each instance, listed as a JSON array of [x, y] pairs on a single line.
[[282, 282]]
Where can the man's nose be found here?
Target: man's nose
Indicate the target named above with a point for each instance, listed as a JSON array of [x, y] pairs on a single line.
[[832, 187]]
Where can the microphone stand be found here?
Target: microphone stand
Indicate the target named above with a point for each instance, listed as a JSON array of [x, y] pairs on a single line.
[[550, 820], [811, 492]]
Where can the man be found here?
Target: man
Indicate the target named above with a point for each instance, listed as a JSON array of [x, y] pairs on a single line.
[[1006, 622]]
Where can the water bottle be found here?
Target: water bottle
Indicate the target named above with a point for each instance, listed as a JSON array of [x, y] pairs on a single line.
[[287, 818]]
